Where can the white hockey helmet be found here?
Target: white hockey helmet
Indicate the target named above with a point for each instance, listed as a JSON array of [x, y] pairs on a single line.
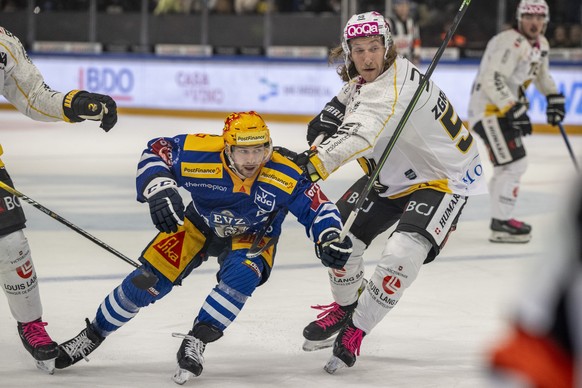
[[366, 24], [532, 7]]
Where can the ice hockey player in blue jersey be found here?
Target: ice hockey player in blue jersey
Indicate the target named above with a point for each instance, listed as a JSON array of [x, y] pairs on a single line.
[[241, 191]]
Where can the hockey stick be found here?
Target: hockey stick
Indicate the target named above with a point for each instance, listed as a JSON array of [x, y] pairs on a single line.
[[563, 132], [402, 123], [255, 250], [143, 281]]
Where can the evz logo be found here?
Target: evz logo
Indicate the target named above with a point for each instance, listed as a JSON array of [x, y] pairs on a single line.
[[226, 224], [265, 200]]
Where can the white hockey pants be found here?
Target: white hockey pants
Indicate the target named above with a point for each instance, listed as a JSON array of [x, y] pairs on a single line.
[[18, 277]]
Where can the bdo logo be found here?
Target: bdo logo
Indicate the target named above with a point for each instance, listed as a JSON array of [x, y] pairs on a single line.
[[108, 80]]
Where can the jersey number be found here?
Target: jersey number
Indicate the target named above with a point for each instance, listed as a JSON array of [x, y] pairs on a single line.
[[453, 125]]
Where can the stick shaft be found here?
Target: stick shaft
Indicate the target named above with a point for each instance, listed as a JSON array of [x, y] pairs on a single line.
[[67, 223], [565, 136]]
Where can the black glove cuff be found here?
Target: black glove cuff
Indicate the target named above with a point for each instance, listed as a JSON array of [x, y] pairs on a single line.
[[68, 102]]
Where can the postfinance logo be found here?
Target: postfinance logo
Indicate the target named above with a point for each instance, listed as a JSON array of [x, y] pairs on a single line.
[[202, 170], [278, 179], [251, 138]]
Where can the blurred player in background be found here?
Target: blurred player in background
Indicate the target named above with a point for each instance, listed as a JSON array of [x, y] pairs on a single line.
[[498, 110], [544, 347], [23, 86], [423, 186], [240, 190], [405, 31]]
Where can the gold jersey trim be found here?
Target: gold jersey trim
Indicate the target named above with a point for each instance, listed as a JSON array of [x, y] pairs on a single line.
[[204, 142], [441, 185]]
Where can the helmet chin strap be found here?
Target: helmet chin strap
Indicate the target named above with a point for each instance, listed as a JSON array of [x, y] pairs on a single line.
[[231, 164]]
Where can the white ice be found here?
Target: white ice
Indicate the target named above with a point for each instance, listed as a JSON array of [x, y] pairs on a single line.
[[437, 336]]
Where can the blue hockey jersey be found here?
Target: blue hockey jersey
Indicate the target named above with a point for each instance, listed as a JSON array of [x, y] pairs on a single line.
[[229, 205]]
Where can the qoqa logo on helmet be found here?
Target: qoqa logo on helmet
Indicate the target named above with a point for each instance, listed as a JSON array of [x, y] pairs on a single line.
[[534, 9], [364, 29]]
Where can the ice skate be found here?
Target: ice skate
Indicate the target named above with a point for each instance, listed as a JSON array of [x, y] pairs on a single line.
[[39, 344], [345, 348], [190, 358], [78, 347], [510, 231], [190, 354], [321, 333]]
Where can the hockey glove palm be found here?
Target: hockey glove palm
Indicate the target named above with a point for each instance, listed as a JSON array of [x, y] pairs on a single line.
[[518, 119], [556, 108], [80, 105], [167, 210], [327, 122], [331, 251]]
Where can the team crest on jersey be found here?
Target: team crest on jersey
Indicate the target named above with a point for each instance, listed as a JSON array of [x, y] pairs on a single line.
[[226, 224], [163, 149], [264, 200]]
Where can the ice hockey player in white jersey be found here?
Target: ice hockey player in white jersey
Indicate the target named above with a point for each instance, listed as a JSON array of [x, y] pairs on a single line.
[[498, 108], [23, 86], [423, 186]]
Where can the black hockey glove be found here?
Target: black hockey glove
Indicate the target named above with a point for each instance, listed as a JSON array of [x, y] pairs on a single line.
[[167, 210], [556, 108], [518, 119], [80, 105], [304, 160], [331, 252], [291, 155], [328, 121]]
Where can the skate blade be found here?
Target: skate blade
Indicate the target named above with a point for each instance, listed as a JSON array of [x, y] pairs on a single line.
[[47, 366], [310, 346], [333, 365], [502, 237], [182, 375]]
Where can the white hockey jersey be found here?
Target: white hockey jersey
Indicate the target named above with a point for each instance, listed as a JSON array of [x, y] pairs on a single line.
[[510, 63], [434, 149], [23, 85]]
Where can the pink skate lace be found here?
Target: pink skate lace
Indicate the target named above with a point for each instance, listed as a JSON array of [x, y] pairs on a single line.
[[352, 339], [35, 333], [331, 314], [515, 223]]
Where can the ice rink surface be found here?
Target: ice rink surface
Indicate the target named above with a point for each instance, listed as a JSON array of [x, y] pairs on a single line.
[[437, 336]]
